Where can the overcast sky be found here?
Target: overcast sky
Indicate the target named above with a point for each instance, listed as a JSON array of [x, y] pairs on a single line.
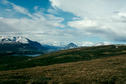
[[62, 21]]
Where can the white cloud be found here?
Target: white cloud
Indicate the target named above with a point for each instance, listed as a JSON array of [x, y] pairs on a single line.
[[21, 9], [82, 24], [87, 43], [122, 14], [98, 17], [38, 23], [102, 43], [55, 3], [18, 8]]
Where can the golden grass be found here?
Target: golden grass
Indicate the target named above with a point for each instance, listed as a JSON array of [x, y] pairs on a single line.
[[111, 70]]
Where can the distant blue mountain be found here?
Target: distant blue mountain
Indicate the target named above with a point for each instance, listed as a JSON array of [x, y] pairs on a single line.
[[70, 46]]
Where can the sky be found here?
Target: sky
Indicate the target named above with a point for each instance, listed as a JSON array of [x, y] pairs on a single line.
[[58, 22]]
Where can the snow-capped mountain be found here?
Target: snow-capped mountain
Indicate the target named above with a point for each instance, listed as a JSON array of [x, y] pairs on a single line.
[[19, 45]]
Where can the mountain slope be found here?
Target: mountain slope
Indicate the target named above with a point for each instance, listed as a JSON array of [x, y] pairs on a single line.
[[6, 59], [111, 70]]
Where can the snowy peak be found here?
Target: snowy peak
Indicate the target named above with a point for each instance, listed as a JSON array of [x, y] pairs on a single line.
[[19, 45], [13, 40], [21, 40]]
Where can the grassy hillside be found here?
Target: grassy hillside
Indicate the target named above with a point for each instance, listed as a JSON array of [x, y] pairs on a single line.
[[65, 56], [110, 70], [7, 59]]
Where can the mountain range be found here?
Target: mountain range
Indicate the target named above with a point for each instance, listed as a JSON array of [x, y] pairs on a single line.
[[22, 45]]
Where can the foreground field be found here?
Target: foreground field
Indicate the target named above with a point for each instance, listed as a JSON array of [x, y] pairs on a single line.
[[111, 70]]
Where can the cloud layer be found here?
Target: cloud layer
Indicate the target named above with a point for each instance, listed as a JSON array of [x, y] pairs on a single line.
[[102, 18]]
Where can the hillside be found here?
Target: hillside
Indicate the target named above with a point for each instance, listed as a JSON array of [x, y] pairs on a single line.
[[6, 59], [111, 70], [86, 65], [65, 56]]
